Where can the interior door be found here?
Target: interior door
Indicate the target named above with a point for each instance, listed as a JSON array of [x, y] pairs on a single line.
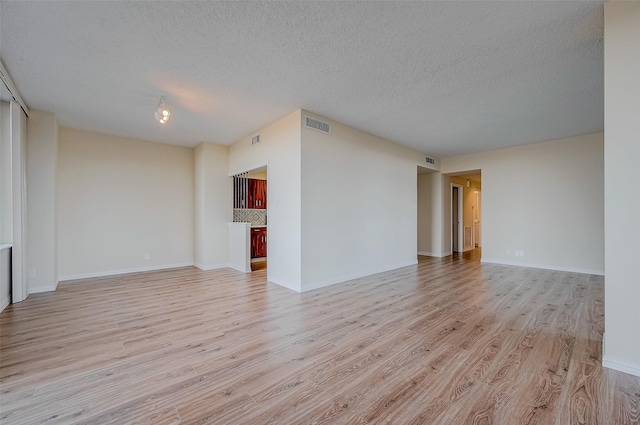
[[262, 190]]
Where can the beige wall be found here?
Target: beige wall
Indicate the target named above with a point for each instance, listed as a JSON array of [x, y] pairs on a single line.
[[445, 218], [119, 199], [434, 215], [42, 237], [426, 211], [545, 199], [262, 175], [279, 150], [213, 198], [622, 176]]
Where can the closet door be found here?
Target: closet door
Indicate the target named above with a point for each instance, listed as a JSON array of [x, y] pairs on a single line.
[[261, 194]]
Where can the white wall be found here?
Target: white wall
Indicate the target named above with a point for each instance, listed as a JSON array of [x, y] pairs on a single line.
[[5, 277], [359, 204], [240, 246], [120, 198], [18, 130], [443, 192], [279, 149], [545, 199], [622, 176], [213, 206], [13, 203], [6, 222], [42, 243]]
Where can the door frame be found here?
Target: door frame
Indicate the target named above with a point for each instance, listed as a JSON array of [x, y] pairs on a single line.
[[477, 219], [460, 217]]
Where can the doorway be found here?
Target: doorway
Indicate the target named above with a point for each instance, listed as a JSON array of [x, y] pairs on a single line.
[[456, 217], [250, 208], [257, 216], [465, 211]]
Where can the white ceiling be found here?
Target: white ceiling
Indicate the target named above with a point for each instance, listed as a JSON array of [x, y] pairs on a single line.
[[446, 78]]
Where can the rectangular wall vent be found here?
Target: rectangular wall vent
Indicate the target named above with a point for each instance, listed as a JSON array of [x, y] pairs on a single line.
[[317, 125], [431, 161], [468, 242], [255, 140]]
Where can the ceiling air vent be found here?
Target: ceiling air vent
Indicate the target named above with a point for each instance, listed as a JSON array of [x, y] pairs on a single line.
[[255, 139], [431, 161], [317, 125]]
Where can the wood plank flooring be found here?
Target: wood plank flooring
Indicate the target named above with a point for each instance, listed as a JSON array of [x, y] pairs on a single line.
[[449, 341]]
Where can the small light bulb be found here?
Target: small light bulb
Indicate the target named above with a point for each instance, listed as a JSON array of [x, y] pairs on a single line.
[[162, 113]]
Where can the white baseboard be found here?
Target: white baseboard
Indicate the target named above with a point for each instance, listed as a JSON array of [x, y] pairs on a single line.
[[330, 282], [539, 266], [241, 269], [211, 267], [620, 365], [4, 305], [40, 289], [123, 271], [287, 285], [434, 254]]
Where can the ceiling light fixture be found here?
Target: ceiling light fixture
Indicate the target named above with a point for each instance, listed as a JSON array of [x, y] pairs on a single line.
[[162, 114]]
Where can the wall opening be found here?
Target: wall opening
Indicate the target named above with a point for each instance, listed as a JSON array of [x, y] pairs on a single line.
[[250, 205], [465, 220]]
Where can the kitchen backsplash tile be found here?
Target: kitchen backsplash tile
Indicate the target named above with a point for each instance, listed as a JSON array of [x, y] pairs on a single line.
[[253, 216]]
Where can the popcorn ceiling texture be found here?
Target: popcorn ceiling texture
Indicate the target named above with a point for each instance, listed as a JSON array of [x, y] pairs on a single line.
[[446, 78]]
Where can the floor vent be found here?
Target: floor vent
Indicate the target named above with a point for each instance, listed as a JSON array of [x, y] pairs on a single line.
[[317, 125]]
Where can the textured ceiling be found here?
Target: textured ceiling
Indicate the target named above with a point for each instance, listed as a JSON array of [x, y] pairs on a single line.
[[444, 77]]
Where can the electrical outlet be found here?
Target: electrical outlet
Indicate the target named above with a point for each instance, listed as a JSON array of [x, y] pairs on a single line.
[[147, 256]]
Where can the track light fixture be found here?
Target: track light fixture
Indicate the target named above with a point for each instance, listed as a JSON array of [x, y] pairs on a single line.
[[162, 114]]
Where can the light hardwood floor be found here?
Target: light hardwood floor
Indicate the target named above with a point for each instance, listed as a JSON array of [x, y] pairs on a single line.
[[449, 341]]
